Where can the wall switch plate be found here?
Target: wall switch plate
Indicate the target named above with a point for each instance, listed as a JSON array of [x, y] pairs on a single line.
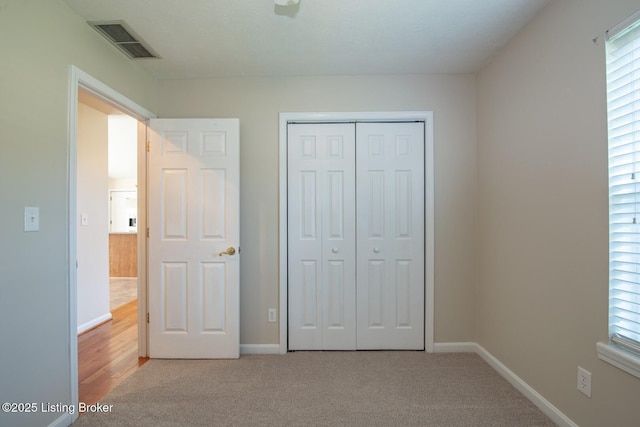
[[584, 381], [31, 218], [84, 219], [272, 315]]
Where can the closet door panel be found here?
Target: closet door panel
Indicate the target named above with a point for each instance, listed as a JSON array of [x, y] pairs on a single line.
[[390, 235], [321, 236]]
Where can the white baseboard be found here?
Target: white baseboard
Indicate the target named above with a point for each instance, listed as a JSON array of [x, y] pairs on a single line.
[[93, 323], [63, 420], [259, 348], [455, 347], [536, 398]]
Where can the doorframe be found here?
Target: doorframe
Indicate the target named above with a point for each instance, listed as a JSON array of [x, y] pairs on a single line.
[[79, 79], [429, 222]]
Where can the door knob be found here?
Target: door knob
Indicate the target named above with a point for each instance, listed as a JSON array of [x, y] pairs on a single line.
[[334, 250], [376, 250], [230, 251]]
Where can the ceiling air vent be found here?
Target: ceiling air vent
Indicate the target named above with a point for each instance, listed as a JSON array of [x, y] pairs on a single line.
[[124, 38]]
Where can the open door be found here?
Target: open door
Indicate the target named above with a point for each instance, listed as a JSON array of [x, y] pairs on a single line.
[[193, 223]]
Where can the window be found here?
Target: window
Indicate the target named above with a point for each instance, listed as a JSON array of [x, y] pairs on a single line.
[[623, 105]]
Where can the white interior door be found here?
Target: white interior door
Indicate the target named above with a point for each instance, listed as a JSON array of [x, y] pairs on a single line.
[[321, 199], [193, 218], [390, 200]]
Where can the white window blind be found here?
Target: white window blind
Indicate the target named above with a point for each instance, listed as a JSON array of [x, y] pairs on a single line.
[[623, 104]]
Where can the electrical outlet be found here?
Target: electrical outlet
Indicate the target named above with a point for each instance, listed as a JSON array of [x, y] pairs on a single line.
[[584, 381], [272, 315]]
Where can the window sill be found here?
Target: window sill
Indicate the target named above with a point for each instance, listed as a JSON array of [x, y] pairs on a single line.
[[619, 358]]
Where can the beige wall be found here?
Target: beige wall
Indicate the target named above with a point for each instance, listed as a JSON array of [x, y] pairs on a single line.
[[39, 40], [257, 102], [542, 210]]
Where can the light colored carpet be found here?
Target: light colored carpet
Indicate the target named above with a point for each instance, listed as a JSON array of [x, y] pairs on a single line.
[[319, 389]]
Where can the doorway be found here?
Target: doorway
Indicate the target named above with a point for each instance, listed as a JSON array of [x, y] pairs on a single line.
[[287, 119], [81, 81], [107, 207], [107, 247]]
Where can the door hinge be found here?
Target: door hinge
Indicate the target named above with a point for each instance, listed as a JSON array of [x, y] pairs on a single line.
[[148, 146], [147, 317], [147, 231]]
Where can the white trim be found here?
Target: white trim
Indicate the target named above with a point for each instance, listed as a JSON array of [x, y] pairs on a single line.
[[619, 358], [65, 420], [455, 347], [430, 229], [367, 116], [105, 93], [621, 26], [72, 244], [95, 322], [80, 79], [529, 392], [259, 348], [427, 117], [284, 220]]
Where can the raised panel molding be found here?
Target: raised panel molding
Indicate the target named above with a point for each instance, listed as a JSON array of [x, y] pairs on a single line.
[[375, 279], [309, 147], [309, 293], [213, 215], [375, 210], [174, 296], [174, 208], [213, 144], [404, 204], [336, 294], [336, 208], [214, 289], [376, 147], [308, 201], [335, 147], [175, 143]]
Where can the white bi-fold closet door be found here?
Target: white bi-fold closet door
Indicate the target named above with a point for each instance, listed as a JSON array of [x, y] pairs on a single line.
[[356, 236]]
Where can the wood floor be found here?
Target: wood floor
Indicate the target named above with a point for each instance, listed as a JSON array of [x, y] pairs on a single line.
[[108, 354]]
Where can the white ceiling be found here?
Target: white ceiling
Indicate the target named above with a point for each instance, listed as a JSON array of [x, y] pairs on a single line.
[[223, 38]]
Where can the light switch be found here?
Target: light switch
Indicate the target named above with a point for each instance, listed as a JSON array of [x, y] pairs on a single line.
[[31, 219], [84, 219]]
